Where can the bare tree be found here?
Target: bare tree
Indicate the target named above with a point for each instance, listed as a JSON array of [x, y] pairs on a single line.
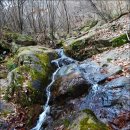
[[97, 10], [51, 17]]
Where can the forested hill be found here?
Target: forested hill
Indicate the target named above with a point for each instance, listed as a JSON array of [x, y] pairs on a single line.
[[64, 65]]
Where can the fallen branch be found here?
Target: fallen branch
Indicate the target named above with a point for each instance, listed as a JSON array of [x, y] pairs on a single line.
[[119, 17]]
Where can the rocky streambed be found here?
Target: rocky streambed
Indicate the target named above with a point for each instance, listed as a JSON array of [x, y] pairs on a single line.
[[100, 89], [92, 94]]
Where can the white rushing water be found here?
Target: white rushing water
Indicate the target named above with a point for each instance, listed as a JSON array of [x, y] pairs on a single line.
[[43, 115], [46, 111], [95, 88]]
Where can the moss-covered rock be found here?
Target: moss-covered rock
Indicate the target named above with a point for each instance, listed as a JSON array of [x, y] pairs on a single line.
[[87, 120], [28, 80], [78, 120], [85, 46], [81, 49], [12, 41], [120, 40], [18, 38]]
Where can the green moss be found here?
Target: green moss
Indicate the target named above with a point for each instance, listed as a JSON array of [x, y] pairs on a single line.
[[29, 79], [24, 95], [24, 75], [91, 122], [16, 36], [12, 41], [3, 74], [3, 44], [88, 123], [93, 23], [11, 64], [30, 95], [85, 120], [66, 122], [89, 113], [44, 62], [120, 40], [24, 38], [10, 35], [109, 59], [78, 44], [43, 59]]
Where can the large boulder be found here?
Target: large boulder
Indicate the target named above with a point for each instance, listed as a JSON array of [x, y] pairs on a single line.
[[84, 47], [78, 120], [18, 38], [11, 41], [69, 83], [109, 101], [96, 40], [28, 80], [86, 120]]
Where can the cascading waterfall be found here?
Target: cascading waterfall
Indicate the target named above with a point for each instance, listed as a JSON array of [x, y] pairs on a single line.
[[43, 115], [62, 61]]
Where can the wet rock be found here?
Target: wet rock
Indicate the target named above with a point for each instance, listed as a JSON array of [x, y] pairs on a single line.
[[119, 82], [65, 70], [65, 61], [92, 72], [110, 100], [3, 125], [71, 85], [73, 77], [60, 111], [27, 82]]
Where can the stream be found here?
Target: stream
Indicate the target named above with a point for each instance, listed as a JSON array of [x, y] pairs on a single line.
[[62, 61], [106, 99]]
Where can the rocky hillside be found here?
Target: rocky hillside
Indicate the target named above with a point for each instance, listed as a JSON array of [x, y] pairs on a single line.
[[90, 91], [98, 39]]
